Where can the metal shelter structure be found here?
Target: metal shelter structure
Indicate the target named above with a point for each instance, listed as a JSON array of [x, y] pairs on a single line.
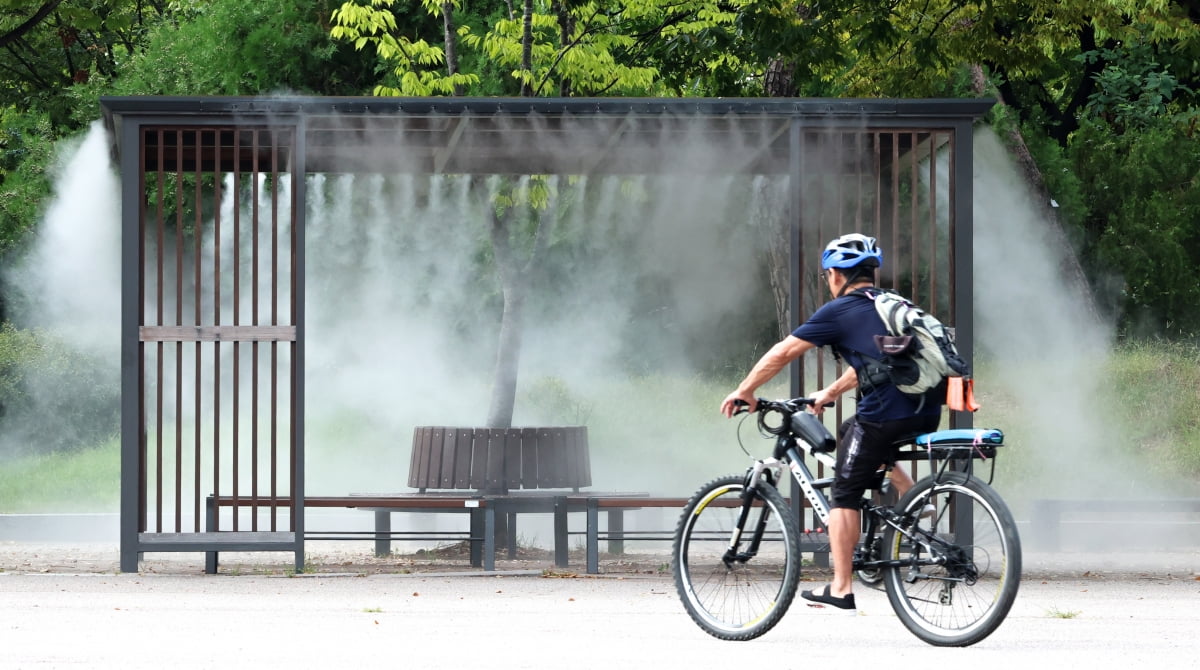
[[216, 333]]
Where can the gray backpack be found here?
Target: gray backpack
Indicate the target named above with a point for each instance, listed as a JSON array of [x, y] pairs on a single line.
[[917, 354]]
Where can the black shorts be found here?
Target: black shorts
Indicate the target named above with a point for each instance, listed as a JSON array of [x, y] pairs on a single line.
[[863, 446]]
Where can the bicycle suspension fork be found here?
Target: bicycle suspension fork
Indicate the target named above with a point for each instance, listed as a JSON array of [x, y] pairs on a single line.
[[762, 471]]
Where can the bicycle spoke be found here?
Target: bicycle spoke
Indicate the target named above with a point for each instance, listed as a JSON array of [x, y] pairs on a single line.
[[961, 568], [745, 598]]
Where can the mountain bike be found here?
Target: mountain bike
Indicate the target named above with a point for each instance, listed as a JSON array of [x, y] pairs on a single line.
[[947, 552]]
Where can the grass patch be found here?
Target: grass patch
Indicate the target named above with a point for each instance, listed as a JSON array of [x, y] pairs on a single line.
[[1056, 613], [82, 481], [1159, 401]]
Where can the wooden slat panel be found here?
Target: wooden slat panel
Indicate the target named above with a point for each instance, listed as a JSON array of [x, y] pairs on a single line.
[[497, 465], [433, 467], [480, 455], [576, 456], [528, 470], [217, 333], [463, 454], [585, 454], [418, 461], [520, 451], [551, 453], [445, 473]]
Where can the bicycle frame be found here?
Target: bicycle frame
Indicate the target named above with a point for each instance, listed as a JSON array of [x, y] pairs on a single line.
[[792, 447]]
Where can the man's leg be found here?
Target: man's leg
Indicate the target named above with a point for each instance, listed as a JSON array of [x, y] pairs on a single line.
[[901, 481], [844, 530]]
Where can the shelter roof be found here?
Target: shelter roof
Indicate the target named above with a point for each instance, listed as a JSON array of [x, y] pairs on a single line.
[[537, 135]]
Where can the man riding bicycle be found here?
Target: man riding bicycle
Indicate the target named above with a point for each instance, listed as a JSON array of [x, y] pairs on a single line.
[[849, 323]]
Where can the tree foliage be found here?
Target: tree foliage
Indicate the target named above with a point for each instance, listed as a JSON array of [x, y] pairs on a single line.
[[1079, 78]]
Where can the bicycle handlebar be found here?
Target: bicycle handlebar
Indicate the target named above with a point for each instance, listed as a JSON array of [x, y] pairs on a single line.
[[781, 406]]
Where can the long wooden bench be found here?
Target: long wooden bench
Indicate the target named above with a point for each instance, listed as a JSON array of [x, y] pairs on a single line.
[[480, 534], [493, 474]]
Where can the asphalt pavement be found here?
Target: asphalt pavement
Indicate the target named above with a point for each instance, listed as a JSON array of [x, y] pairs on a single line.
[[67, 606]]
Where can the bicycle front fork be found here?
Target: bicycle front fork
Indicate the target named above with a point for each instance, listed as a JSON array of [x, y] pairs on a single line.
[[749, 495]]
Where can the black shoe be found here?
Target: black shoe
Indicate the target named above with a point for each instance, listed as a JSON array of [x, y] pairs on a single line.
[[846, 602]]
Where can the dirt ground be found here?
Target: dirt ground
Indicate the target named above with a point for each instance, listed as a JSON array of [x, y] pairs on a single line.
[[358, 558]]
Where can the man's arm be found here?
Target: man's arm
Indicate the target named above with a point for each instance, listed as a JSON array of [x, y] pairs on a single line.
[[831, 393], [785, 351]]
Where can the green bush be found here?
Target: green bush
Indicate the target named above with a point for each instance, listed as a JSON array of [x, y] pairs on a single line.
[[53, 398]]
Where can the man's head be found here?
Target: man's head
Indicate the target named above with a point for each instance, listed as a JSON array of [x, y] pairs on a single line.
[[850, 259]]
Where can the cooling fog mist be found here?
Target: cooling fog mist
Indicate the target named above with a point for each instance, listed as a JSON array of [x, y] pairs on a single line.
[[1042, 346], [644, 310]]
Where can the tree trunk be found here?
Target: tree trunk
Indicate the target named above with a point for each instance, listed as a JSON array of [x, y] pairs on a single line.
[[778, 83], [451, 43], [767, 217], [508, 358], [527, 51], [514, 281], [566, 26]]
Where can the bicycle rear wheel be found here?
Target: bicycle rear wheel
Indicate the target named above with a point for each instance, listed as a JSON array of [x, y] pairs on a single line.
[[961, 568], [738, 593]]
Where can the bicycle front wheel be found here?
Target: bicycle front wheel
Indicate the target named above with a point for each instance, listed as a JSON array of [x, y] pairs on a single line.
[[960, 569], [736, 582]]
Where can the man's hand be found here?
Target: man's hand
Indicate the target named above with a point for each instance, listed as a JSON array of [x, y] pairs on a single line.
[[821, 399], [729, 407]]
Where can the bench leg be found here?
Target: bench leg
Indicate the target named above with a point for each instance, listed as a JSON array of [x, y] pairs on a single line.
[[210, 514], [489, 539], [593, 538], [511, 535], [383, 533], [560, 533], [476, 532], [616, 531]]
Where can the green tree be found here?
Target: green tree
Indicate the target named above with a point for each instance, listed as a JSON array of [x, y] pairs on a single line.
[[229, 47], [52, 45], [1144, 220]]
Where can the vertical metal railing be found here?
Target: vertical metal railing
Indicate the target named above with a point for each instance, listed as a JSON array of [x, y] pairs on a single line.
[[196, 300], [884, 183]]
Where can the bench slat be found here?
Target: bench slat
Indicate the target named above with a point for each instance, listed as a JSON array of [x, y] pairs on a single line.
[[497, 449]]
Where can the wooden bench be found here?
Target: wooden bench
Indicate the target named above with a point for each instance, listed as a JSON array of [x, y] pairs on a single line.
[[480, 535], [493, 474], [517, 470]]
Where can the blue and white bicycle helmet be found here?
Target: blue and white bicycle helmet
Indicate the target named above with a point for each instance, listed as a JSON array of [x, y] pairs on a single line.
[[850, 251]]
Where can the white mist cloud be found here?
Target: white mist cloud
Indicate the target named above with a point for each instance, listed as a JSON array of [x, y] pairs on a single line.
[[1047, 346], [73, 274]]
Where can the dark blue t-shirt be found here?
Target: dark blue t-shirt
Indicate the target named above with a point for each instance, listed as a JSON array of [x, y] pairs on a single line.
[[850, 324]]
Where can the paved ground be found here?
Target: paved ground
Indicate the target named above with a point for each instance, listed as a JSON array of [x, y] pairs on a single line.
[[66, 605]]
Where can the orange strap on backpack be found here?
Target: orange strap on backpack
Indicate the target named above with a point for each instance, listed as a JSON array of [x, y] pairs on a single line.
[[960, 394]]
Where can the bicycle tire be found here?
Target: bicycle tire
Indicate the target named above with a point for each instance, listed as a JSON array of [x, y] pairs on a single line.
[[966, 598], [744, 599]]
